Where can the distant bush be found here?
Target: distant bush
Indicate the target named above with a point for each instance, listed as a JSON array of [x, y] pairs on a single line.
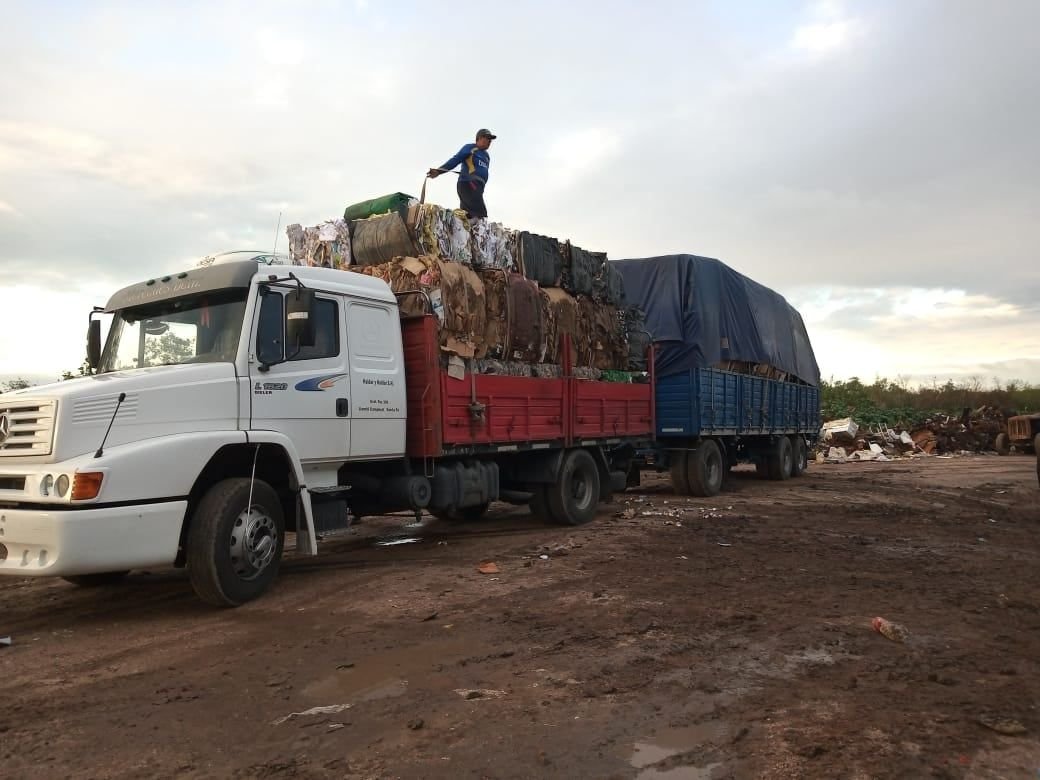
[[895, 403]]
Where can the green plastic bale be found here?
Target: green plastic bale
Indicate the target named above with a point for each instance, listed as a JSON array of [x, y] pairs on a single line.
[[397, 201]]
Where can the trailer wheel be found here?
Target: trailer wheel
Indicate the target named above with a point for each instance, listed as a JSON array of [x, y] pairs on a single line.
[[1003, 444], [780, 460], [800, 462], [573, 498], [705, 469], [97, 580], [680, 472], [234, 546]]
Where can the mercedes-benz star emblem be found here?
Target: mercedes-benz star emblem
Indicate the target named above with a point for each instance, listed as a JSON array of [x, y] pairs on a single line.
[[5, 428]]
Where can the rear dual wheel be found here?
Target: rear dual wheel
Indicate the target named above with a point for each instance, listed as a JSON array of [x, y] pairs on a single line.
[[574, 497], [779, 462]]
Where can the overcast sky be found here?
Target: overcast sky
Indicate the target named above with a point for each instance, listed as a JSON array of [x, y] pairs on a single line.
[[877, 163]]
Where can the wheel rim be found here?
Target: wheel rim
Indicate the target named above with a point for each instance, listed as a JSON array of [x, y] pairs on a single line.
[[581, 489], [714, 469], [254, 542]]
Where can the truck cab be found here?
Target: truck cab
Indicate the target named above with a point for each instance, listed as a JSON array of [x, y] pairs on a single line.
[[220, 411]]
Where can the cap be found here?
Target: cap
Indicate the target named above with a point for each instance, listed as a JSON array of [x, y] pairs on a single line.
[[485, 133]]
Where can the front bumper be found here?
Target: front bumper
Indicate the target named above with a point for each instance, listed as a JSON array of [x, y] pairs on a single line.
[[46, 542]]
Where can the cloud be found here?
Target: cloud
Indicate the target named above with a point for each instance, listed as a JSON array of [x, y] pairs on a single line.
[[824, 38], [7, 208]]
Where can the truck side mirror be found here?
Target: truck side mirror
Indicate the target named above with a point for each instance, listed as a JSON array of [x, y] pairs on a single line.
[[94, 344], [300, 316]]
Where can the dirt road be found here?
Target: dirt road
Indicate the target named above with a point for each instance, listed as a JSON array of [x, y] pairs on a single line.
[[672, 638]]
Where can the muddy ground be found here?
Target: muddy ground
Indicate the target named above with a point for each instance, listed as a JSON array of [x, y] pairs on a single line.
[[672, 638]]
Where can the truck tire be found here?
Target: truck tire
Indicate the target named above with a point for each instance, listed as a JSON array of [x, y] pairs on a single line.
[[1036, 445], [800, 462], [97, 580], [780, 460], [234, 550], [1003, 444], [574, 497], [680, 472], [468, 514], [705, 469]]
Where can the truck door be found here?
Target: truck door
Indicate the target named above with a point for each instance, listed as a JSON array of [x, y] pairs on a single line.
[[305, 395]]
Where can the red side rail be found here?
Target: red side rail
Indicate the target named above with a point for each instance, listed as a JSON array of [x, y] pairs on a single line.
[[489, 411]]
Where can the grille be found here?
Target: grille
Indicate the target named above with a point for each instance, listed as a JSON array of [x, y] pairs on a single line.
[[26, 428]]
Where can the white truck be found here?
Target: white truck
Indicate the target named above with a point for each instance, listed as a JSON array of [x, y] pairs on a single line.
[[234, 402]]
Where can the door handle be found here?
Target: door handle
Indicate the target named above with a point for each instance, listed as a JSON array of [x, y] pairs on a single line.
[[342, 407]]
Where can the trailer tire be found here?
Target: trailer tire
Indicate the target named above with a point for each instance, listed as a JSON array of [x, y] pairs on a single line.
[[705, 469], [800, 461], [1003, 444], [574, 497], [234, 550], [680, 472], [780, 460], [98, 579]]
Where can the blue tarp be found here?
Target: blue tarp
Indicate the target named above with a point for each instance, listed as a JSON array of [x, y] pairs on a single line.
[[701, 312]]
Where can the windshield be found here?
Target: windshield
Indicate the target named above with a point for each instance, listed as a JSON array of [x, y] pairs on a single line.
[[201, 329]]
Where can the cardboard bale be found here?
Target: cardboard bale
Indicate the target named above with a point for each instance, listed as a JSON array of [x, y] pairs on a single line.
[[602, 344], [578, 275], [540, 258], [326, 245], [515, 321], [608, 286], [562, 317], [380, 239], [443, 233], [455, 292], [492, 245]]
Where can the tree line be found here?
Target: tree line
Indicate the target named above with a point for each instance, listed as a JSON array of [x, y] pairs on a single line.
[[897, 403]]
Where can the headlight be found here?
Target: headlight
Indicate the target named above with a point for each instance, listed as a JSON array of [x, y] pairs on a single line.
[[46, 484], [61, 485]]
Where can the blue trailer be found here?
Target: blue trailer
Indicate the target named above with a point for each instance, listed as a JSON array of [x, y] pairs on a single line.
[[737, 380]]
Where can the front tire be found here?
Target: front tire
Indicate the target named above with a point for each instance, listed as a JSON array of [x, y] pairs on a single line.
[[1003, 444], [574, 497], [234, 546], [705, 469], [98, 580]]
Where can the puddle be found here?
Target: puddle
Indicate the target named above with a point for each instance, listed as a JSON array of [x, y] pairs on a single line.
[[672, 742], [386, 675], [390, 541]]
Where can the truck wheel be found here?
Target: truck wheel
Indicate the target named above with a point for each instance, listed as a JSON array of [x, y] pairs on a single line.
[[234, 550], [800, 462], [680, 472], [573, 498], [1003, 444], [780, 460], [468, 514], [1036, 445], [98, 579], [705, 470]]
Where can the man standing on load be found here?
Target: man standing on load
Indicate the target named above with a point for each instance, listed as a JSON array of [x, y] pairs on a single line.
[[473, 177]]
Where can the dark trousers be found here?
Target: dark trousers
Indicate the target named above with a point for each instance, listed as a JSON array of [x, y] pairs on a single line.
[[471, 198]]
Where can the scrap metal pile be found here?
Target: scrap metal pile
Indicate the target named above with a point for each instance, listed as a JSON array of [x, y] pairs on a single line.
[[972, 431], [505, 299]]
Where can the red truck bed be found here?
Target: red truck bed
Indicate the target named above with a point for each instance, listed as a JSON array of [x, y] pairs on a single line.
[[488, 413]]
